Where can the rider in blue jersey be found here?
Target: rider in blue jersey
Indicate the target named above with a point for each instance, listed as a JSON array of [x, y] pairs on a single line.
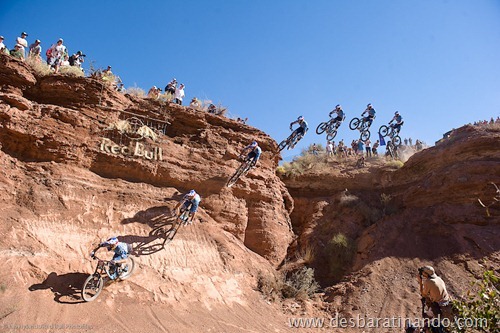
[[121, 250], [370, 114], [191, 201], [254, 152], [340, 115], [299, 131], [398, 121]]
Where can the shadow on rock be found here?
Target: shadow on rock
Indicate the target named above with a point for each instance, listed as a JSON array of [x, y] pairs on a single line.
[[66, 287]]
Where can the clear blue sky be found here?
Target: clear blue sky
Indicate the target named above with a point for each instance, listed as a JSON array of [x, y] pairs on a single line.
[[436, 61]]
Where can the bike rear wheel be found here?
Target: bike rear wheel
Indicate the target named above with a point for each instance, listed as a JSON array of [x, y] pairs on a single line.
[[331, 135], [321, 128], [354, 123], [92, 287], [365, 135]]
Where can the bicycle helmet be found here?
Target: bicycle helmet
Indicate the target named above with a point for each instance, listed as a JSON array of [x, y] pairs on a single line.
[[191, 193], [253, 144], [112, 241], [369, 105], [300, 118], [338, 106], [396, 113]]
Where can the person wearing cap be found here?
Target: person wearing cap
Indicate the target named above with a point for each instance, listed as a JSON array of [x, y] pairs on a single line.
[[433, 290], [171, 86], [57, 54], [179, 94], [17, 52], [23, 42], [191, 201], [154, 92], [3, 49], [35, 51]]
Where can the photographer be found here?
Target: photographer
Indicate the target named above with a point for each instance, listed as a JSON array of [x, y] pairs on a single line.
[[433, 291], [77, 59]]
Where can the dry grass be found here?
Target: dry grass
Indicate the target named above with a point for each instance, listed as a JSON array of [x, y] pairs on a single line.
[[39, 66], [71, 71], [136, 92], [396, 164], [340, 250]]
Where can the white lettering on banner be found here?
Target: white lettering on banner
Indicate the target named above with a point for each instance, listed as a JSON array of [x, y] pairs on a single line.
[[137, 149]]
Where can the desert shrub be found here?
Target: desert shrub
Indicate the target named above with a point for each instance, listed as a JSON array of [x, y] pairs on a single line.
[[340, 252], [483, 305], [396, 164], [347, 199], [135, 91], [39, 66], [280, 170], [300, 285], [71, 71], [307, 254]]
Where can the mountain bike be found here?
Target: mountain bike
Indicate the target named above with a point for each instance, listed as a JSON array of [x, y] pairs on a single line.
[[363, 126], [105, 271], [392, 151], [331, 126], [393, 134], [245, 166], [291, 141]]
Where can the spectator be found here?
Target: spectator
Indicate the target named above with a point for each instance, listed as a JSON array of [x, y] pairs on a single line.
[[77, 59], [57, 53], [212, 108], [329, 149], [17, 52], [374, 148], [245, 120], [368, 147], [195, 103], [315, 149], [35, 51], [65, 61], [334, 148], [409, 141], [108, 77], [2, 46], [361, 147], [154, 92], [342, 149], [23, 42], [171, 86], [179, 94], [406, 142]]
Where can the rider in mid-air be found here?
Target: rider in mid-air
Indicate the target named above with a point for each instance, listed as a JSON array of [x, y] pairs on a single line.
[[121, 253], [299, 131], [370, 114], [191, 201], [398, 121], [340, 115], [254, 152]]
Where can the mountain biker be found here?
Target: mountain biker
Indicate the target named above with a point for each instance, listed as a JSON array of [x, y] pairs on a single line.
[[370, 114], [433, 290], [254, 152], [398, 121], [191, 201], [340, 115], [121, 253], [299, 131]]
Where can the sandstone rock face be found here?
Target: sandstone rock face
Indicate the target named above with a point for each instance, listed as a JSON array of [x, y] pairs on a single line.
[[82, 163]]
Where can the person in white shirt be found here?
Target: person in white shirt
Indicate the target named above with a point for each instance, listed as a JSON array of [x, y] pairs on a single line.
[[58, 51], [23, 42], [179, 94], [2, 46]]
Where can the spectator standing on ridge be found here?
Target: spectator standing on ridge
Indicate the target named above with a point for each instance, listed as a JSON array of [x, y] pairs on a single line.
[[329, 149], [179, 94], [77, 59], [35, 51], [154, 92], [406, 141], [57, 53], [409, 141], [2, 45], [361, 147], [170, 89], [368, 147], [374, 148], [23, 42], [315, 149]]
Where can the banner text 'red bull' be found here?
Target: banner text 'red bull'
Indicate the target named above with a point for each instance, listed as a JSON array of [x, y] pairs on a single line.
[[138, 149]]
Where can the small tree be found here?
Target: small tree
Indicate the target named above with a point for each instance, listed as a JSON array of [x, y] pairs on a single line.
[[483, 308]]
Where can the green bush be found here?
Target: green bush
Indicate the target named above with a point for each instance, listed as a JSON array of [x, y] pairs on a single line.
[[340, 252], [484, 305]]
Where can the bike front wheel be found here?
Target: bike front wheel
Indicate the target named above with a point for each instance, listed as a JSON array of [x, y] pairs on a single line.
[[354, 123], [244, 167], [396, 140], [383, 130], [321, 128], [282, 145], [92, 287]]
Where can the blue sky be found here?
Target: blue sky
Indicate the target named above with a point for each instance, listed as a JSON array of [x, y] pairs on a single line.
[[436, 61]]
